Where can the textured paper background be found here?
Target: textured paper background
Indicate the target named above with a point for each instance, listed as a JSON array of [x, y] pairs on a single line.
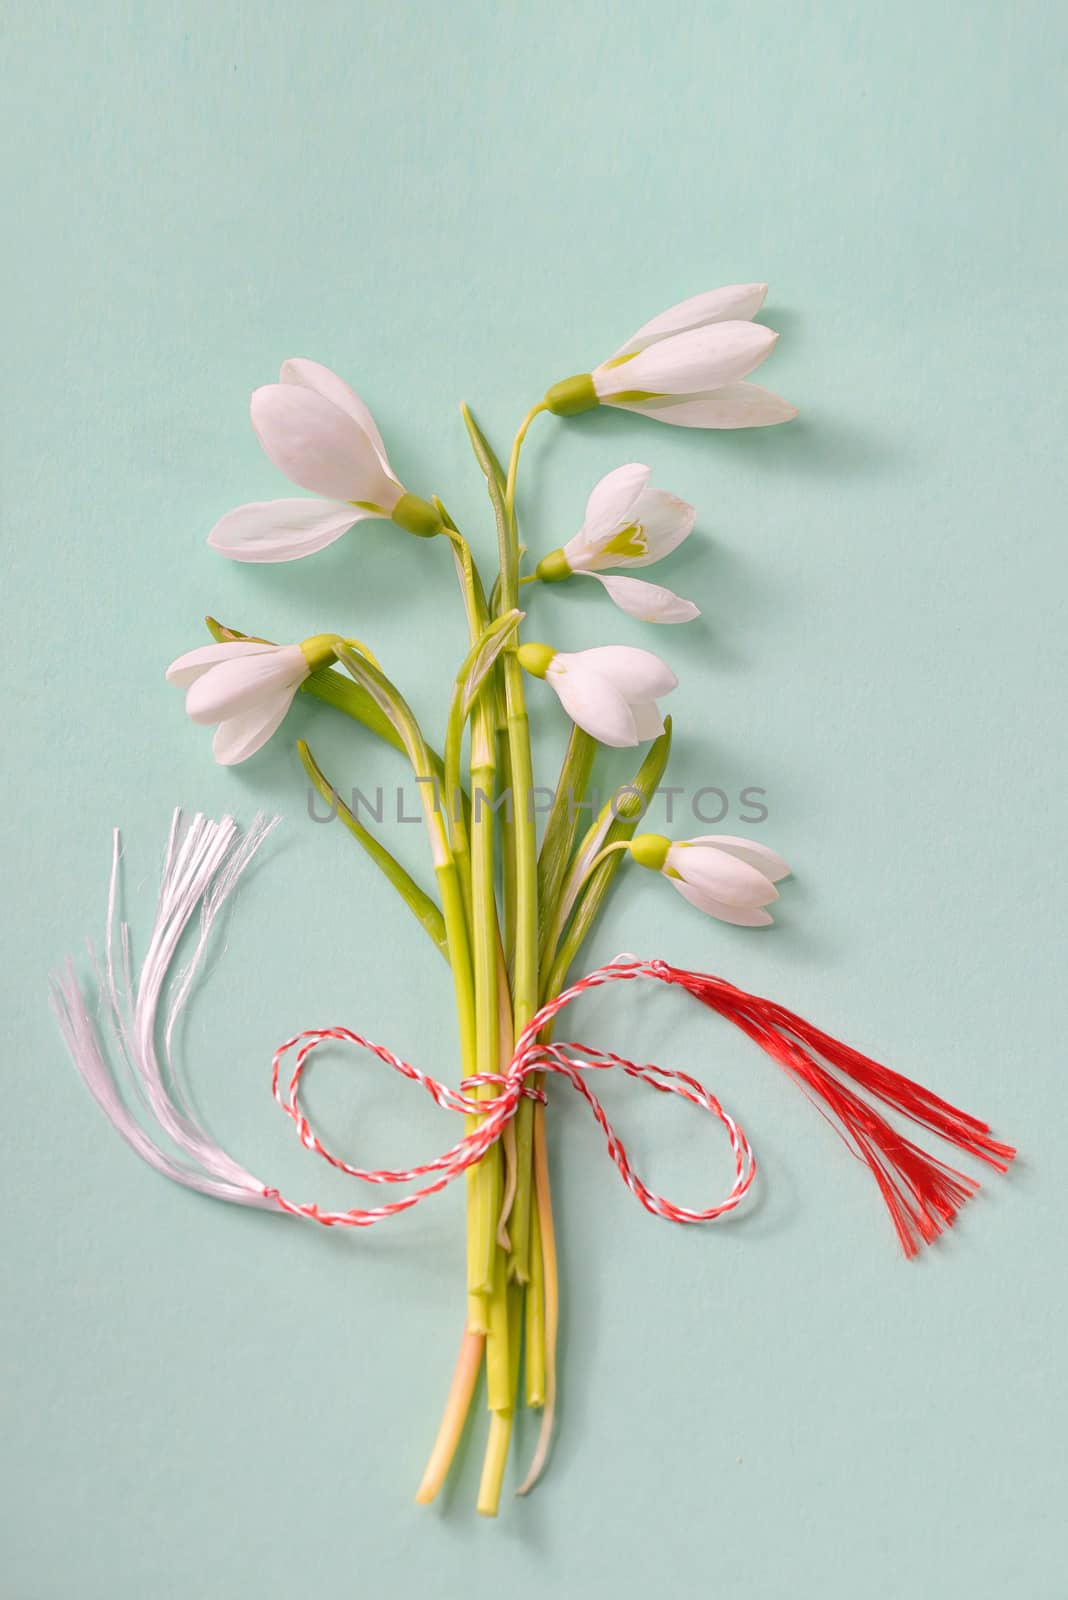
[[472, 201]]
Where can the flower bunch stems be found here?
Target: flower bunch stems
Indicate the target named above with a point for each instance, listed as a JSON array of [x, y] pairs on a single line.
[[518, 1255], [508, 1314], [510, 920], [505, 963], [511, 1284]]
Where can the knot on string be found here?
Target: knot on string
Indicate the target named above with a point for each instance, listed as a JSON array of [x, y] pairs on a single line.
[[527, 1092], [922, 1193]]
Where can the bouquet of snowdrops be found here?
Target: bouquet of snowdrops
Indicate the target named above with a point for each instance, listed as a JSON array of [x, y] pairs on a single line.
[[509, 916]]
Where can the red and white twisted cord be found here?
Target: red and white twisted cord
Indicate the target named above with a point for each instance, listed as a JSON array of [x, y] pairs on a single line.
[[570, 1061]]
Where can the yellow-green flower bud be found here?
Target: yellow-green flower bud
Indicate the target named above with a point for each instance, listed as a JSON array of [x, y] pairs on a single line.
[[319, 650], [535, 658], [417, 516], [572, 395], [553, 567], [650, 850]]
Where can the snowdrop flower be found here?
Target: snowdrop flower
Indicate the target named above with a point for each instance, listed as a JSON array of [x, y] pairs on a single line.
[[609, 691], [732, 879], [686, 367], [246, 687], [627, 524], [321, 435]]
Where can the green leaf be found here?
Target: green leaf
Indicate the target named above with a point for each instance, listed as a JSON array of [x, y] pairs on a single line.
[[561, 830], [415, 898], [609, 830], [485, 455], [392, 704], [495, 483], [482, 659]]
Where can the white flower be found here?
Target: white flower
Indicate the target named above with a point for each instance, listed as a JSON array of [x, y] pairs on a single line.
[[246, 687], [686, 367], [730, 878], [609, 691], [627, 524], [321, 435]]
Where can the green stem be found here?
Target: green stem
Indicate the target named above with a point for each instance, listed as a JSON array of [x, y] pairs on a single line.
[[525, 843], [534, 1336], [473, 696], [507, 835], [452, 905], [474, 598], [457, 1406], [484, 1180], [525, 960], [513, 468], [500, 1391], [561, 829], [500, 1429], [551, 1319]]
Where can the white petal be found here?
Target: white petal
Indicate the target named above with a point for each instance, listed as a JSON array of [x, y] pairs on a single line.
[[741, 916], [690, 363], [757, 855], [647, 719], [238, 684], [735, 405], [188, 668], [282, 530], [612, 502], [647, 602], [662, 521], [240, 737], [737, 302], [580, 556], [593, 701], [312, 375], [721, 875], [320, 446], [637, 673]]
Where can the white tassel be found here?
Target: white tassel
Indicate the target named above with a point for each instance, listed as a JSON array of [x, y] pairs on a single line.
[[201, 869]]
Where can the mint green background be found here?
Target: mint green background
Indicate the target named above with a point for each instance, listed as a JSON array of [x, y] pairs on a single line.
[[471, 201]]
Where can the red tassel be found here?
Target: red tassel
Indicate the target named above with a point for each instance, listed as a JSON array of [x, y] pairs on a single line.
[[922, 1194]]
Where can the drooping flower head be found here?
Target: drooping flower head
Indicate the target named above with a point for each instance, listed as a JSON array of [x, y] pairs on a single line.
[[727, 877], [246, 687], [610, 691], [687, 367], [627, 524], [320, 433]]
